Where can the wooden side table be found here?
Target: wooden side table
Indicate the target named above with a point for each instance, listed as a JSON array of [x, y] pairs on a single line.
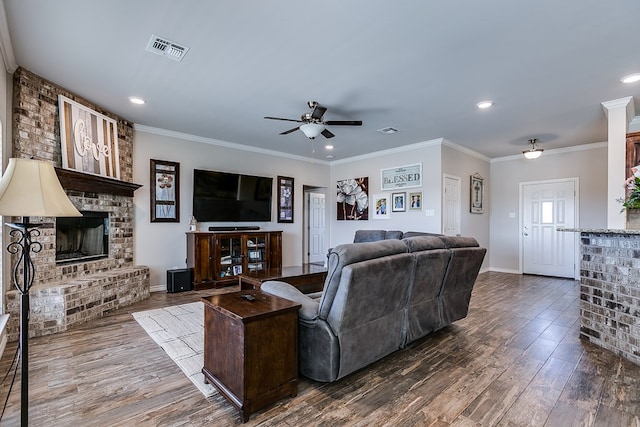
[[308, 278], [251, 348]]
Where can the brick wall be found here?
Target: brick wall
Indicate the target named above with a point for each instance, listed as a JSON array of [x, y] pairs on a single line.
[[610, 292], [36, 134]]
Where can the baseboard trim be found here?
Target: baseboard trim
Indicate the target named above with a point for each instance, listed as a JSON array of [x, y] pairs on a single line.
[[158, 288], [504, 270]]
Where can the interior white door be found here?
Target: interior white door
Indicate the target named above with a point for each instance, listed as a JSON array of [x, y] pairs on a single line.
[[546, 206], [317, 249], [451, 205]]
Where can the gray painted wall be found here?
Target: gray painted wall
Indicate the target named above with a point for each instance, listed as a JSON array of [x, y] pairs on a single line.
[[589, 164]]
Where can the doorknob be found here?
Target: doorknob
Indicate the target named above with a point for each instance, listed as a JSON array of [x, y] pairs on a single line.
[[524, 232]]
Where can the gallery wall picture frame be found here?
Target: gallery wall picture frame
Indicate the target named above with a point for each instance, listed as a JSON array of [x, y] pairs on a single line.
[[477, 194], [401, 177], [89, 140], [352, 196], [285, 199], [415, 201], [165, 191], [399, 201], [381, 206]]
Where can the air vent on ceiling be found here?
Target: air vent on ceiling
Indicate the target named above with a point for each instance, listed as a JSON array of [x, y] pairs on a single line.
[[165, 47], [388, 130]]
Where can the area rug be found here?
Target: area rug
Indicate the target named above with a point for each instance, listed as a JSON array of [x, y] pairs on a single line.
[[179, 330]]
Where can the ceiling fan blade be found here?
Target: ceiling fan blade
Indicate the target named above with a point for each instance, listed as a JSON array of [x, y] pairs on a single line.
[[344, 123], [280, 118], [286, 132], [318, 112], [327, 134]]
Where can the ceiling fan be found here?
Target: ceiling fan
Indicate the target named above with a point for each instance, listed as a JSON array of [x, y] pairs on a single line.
[[312, 123]]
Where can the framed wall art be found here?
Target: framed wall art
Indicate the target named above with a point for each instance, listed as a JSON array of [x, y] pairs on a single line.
[[285, 199], [477, 194], [89, 140], [353, 199], [415, 201], [401, 177], [381, 206], [399, 202], [165, 191]]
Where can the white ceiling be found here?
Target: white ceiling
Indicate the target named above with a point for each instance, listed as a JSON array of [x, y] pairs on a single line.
[[418, 66]]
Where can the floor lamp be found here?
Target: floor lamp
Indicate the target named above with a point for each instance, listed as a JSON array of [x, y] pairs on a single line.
[[29, 188]]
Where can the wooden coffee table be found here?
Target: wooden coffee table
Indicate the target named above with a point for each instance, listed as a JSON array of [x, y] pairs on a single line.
[[251, 348], [308, 278]]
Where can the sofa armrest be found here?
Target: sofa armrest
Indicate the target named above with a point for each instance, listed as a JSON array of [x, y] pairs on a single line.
[[309, 310]]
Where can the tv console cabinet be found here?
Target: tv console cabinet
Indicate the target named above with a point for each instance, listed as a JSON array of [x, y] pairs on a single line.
[[219, 258]]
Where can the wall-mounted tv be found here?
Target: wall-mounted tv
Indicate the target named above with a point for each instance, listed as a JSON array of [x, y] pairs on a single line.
[[231, 197]]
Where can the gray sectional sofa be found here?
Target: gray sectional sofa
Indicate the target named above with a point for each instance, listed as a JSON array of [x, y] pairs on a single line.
[[378, 297]]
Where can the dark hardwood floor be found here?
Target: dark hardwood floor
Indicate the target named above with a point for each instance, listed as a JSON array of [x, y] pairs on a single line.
[[516, 360]]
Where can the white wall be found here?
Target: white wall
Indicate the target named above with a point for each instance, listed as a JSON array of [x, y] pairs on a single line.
[[588, 163], [162, 246], [428, 153], [459, 163]]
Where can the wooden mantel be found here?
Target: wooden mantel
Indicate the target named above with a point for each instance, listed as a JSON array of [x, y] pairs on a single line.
[[78, 181]]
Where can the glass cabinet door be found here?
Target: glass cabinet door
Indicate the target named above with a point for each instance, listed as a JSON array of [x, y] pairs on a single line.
[[230, 256], [257, 255]]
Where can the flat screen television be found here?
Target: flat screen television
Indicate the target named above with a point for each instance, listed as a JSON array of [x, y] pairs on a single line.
[[231, 197]]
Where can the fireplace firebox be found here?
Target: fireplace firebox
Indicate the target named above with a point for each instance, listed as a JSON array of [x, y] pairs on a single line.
[[82, 238]]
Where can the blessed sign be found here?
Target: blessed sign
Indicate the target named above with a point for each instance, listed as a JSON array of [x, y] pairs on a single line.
[[401, 177]]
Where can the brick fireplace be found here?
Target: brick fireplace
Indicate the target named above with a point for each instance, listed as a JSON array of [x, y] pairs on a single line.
[[65, 294]]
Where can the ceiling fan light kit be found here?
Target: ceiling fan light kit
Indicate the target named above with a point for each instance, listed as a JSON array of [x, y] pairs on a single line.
[[532, 152], [311, 130], [313, 123]]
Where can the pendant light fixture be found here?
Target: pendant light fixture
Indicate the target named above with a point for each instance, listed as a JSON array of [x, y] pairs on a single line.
[[533, 152]]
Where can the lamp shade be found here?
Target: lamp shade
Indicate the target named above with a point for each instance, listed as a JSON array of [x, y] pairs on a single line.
[[311, 129], [31, 188], [533, 152]]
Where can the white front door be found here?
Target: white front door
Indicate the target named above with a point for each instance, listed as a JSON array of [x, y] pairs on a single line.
[[451, 205], [317, 249], [545, 206]]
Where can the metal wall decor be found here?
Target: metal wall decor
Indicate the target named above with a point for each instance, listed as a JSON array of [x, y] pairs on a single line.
[[165, 191], [477, 194]]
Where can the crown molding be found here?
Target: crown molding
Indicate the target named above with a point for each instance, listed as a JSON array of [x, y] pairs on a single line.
[[465, 150], [225, 144], [381, 153], [6, 48], [554, 151]]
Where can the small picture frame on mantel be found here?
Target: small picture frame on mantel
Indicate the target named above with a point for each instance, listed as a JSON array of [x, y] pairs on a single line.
[[165, 191]]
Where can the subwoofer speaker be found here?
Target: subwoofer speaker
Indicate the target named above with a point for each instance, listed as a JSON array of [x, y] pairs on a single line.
[[180, 280]]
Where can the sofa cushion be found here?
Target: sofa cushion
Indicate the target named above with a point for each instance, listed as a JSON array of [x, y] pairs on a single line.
[[350, 253], [362, 236], [423, 243], [393, 234], [459, 242], [419, 233]]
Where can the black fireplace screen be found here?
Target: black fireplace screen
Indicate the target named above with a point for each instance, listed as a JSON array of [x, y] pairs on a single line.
[[82, 238]]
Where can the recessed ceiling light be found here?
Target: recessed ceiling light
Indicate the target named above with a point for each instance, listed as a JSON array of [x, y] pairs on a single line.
[[631, 78], [330, 156], [484, 104], [328, 147], [137, 100]]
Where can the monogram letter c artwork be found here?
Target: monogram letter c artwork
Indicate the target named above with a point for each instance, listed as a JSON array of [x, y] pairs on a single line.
[[89, 140]]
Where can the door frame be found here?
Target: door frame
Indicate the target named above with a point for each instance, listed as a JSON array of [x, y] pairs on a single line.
[[576, 224], [306, 211], [458, 218]]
